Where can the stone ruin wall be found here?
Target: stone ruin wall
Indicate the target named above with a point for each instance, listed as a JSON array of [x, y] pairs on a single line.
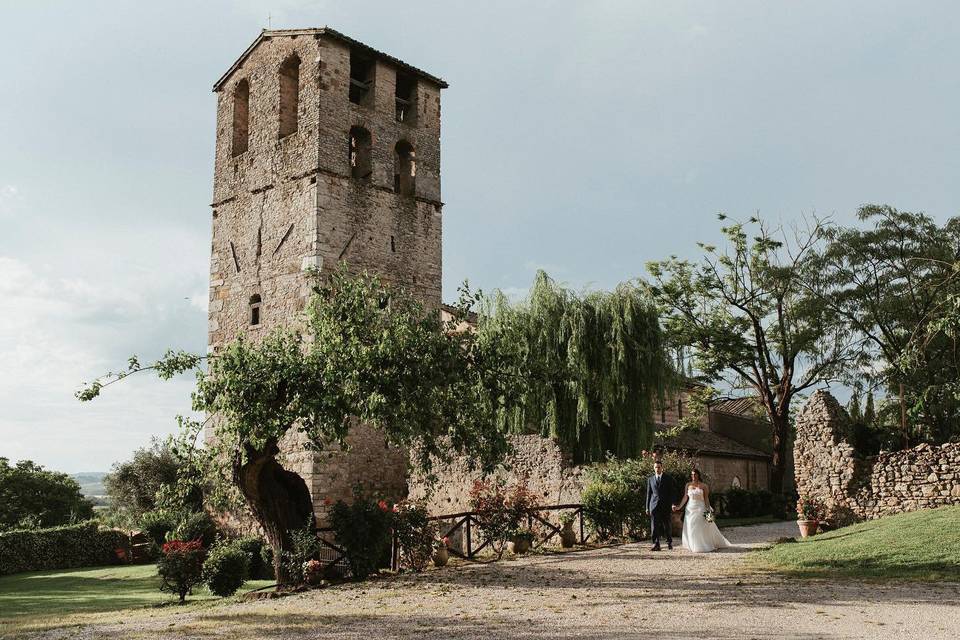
[[851, 487]]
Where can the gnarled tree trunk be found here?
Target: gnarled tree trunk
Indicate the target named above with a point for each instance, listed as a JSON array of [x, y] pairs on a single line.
[[278, 498]]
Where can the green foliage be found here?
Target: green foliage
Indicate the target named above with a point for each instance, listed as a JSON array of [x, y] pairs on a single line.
[[63, 547], [157, 524], [181, 566], [589, 368], [633, 473], [895, 285], [613, 507], [133, 485], [196, 526], [748, 503], [363, 531], [303, 548], [32, 497], [414, 533], [752, 316], [258, 556], [226, 568]]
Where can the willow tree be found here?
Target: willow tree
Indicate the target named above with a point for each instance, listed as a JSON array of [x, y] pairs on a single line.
[[364, 353], [590, 368]]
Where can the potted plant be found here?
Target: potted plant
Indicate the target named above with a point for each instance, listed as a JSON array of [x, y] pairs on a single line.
[[520, 541], [441, 554], [567, 536], [808, 516], [313, 572]]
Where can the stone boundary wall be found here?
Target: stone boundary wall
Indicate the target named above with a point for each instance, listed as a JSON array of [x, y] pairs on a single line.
[[550, 476], [851, 487]]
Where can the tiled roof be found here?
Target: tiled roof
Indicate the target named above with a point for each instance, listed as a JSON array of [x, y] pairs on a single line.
[[266, 34], [708, 442], [747, 407]]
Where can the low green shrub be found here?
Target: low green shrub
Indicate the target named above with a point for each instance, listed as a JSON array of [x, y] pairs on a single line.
[[304, 547], [181, 566], [750, 503], [415, 533], [157, 524], [67, 547], [259, 556], [363, 531], [196, 526], [226, 568], [612, 507], [501, 510]]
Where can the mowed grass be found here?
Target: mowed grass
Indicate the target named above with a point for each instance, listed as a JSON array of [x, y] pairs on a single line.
[[923, 545], [45, 599]]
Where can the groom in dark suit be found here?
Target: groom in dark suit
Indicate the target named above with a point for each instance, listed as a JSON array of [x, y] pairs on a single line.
[[660, 497]]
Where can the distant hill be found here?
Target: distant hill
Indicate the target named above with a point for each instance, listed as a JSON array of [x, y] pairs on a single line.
[[91, 483]]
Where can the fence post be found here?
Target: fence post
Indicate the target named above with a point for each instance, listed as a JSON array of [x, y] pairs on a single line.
[[469, 545], [394, 551], [583, 540]]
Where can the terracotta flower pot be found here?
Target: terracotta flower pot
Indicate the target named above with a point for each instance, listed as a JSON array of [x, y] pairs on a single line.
[[807, 527], [567, 536], [441, 557], [519, 545]]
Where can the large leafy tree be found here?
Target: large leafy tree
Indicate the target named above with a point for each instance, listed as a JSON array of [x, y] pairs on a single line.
[[747, 317], [892, 283], [31, 496], [364, 353], [133, 485], [590, 368]]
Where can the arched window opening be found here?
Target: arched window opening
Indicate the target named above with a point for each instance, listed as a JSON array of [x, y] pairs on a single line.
[[361, 166], [404, 169], [255, 309], [289, 95], [680, 408], [735, 483], [241, 117], [406, 98]]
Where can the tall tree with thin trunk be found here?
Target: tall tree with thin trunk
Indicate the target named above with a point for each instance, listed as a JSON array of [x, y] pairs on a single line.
[[747, 319]]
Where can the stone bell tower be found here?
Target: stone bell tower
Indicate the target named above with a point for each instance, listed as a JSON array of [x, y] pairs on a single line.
[[327, 151]]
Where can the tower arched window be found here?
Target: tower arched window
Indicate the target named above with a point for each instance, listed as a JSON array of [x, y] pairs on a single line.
[[289, 95], [361, 165], [241, 117], [404, 169], [255, 303]]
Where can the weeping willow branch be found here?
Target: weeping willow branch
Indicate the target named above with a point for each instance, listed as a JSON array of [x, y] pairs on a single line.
[[593, 366]]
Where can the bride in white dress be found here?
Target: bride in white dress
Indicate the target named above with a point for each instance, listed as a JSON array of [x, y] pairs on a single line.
[[699, 534]]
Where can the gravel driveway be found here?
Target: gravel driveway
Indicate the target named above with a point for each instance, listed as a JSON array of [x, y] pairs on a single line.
[[610, 593]]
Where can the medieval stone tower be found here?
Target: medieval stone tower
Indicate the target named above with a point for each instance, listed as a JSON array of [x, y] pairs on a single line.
[[327, 151]]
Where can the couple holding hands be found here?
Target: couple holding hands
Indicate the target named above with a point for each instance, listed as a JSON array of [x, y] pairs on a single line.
[[700, 532]]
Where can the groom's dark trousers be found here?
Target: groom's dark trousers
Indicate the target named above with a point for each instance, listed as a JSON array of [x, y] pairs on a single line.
[[660, 496]]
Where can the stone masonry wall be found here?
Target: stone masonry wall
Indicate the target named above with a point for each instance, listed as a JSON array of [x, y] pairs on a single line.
[[288, 203], [828, 468]]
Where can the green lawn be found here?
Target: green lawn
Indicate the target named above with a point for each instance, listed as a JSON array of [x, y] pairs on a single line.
[[924, 545], [43, 599]]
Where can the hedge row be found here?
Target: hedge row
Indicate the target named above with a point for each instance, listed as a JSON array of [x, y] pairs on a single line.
[[749, 503], [67, 547]]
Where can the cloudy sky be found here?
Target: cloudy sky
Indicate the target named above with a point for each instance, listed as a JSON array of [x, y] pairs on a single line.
[[583, 138]]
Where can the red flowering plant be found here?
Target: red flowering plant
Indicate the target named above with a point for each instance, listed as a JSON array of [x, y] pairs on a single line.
[[414, 532], [501, 510], [181, 566], [363, 529]]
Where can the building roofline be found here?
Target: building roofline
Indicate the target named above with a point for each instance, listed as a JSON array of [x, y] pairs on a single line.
[[267, 34]]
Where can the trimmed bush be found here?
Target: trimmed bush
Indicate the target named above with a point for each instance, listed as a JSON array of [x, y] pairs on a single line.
[[611, 507], [259, 555], [197, 526], [363, 530], [225, 569], [68, 547], [157, 524], [415, 533]]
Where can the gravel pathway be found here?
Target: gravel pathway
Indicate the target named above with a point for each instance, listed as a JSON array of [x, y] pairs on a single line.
[[611, 594]]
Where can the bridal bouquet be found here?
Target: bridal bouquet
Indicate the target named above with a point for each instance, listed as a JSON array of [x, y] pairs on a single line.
[[709, 516]]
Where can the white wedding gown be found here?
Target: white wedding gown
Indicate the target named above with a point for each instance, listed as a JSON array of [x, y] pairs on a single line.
[[699, 535]]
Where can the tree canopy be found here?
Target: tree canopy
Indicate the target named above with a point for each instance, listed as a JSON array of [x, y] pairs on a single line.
[[748, 318], [364, 352], [31, 496], [589, 368], [133, 485]]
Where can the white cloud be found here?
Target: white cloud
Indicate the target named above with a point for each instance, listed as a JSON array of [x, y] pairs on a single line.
[[57, 332], [9, 199]]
